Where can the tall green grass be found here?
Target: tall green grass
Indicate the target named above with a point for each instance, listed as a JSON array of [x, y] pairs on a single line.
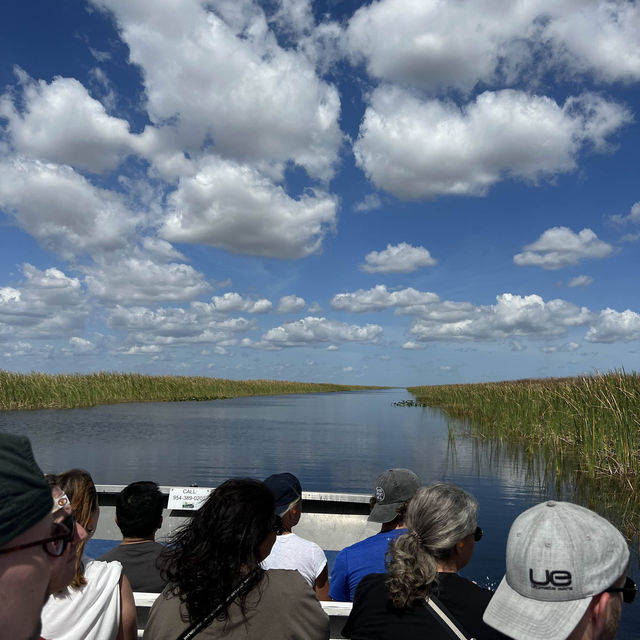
[[580, 436], [595, 418], [47, 391]]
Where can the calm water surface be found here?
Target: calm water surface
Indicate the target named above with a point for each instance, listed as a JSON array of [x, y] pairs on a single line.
[[332, 442]]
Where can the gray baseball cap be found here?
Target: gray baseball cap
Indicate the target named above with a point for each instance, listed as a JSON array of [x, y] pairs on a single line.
[[559, 555], [393, 487]]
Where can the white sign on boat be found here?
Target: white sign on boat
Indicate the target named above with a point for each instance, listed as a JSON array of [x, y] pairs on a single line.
[[190, 498]]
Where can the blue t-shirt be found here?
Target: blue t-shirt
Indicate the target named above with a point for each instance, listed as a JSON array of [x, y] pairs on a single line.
[[357, 561]]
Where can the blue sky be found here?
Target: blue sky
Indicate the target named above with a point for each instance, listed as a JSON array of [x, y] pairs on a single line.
[[390, 193]]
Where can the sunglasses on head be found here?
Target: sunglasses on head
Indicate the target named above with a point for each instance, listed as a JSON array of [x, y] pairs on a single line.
[[628, 591], [54, 545]]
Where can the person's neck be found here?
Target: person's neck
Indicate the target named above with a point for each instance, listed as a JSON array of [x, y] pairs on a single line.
[[132, 540], [390, 526], [447, 566]]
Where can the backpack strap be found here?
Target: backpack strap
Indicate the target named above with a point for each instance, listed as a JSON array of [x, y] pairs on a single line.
[[245, 584], [437, 608]]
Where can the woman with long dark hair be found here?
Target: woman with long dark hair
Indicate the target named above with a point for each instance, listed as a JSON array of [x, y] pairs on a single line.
[[216, 588], [422, 595]]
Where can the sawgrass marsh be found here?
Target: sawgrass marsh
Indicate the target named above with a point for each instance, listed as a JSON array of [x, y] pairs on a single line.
[[68, 391]]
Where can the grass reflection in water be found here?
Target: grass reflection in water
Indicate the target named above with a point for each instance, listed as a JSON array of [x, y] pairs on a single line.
[[580, 437]]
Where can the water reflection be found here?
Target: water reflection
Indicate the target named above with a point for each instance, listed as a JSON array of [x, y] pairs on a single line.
[[555, 473], [523, 472]]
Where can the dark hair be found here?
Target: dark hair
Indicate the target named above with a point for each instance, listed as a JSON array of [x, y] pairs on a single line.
[[139, 509], [78, 485], [207, 557]]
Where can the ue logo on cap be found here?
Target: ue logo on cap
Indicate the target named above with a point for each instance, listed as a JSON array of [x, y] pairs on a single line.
[[379, 494]]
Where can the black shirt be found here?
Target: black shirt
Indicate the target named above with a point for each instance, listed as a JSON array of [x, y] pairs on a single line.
[[374, 618], [139, 564]]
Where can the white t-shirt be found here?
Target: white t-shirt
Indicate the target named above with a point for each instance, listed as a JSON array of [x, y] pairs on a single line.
[[91, 612], [293, 552]]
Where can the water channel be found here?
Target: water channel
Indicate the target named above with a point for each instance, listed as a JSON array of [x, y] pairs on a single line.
[[332, 442]]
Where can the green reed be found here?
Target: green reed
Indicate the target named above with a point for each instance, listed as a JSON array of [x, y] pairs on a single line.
[[579, 436], [57, 391], [594, 418]]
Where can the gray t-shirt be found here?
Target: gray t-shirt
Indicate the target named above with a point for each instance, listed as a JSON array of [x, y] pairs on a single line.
[[140, 564]]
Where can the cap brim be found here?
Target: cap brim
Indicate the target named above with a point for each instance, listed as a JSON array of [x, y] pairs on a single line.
[[384, 512], [527, 619]]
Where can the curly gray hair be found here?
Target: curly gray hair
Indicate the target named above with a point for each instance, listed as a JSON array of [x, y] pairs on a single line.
[[438, 516]]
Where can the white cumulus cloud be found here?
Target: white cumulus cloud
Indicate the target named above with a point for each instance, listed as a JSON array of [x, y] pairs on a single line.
[[312, 329], [47, 304], [400, 258], [511, 316], [220, 78], [62, 123], [580, 281], [233, 302], [134, 278], [613, 326], [632, 217], [200, 323], [379, 298], [291, 304], [416, 148], [434, 45], [560, 247], [234, 207], [62, 209]]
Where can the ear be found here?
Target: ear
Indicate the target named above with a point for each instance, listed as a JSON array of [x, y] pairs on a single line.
[[599, 612]]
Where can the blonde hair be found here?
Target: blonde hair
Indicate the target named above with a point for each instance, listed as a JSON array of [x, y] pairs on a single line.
[[78, 485], [438, 516]]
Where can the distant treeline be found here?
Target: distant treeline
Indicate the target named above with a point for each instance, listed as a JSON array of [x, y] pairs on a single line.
[[596, 416], [66, 391]]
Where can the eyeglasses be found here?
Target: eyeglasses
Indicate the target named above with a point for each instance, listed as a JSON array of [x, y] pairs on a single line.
[[628, 590], [477, 534], [55, 544]]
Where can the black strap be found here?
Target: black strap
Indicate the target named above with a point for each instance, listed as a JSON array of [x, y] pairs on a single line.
[[245, 584]]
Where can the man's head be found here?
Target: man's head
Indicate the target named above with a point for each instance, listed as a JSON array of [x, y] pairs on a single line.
[[25, 525], [139, 510], [394, 488], [561, 561]]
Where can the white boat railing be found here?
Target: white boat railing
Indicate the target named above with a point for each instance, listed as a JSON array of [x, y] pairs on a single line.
[[332, 520], [337, 612]]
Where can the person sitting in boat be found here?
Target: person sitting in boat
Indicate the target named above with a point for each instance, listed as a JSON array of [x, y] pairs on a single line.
[[291, 551], [63, 566], [423, 596], [139, 516], [98, 605], [30, 539], [216, 587], [566, 576], [394, 489]]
